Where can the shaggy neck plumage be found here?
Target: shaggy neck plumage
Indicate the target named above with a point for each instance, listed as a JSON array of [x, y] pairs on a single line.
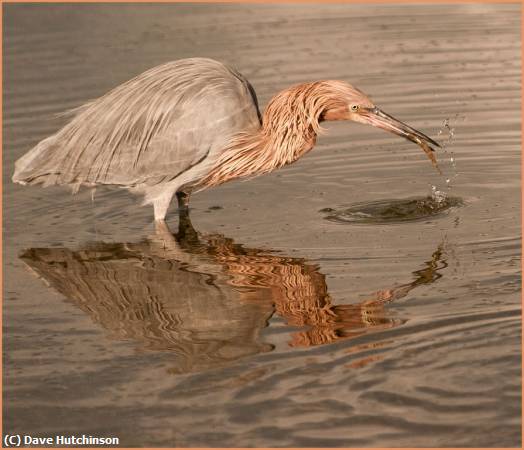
[[289, 129]]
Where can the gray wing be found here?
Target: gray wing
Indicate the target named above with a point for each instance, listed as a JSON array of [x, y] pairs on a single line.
[[148, 130]]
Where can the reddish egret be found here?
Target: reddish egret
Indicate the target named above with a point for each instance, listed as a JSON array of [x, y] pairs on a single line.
[[191, 124]]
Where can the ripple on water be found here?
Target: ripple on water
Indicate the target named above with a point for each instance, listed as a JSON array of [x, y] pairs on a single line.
[[394, 211]]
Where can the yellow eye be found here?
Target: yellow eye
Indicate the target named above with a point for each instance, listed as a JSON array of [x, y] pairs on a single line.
[[355, 108]]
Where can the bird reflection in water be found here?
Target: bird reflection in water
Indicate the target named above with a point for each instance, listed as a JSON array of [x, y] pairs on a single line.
[[206, 299]]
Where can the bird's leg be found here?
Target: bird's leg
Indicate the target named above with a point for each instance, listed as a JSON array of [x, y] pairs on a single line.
[[186, 232], [183, 200], [161, 205]]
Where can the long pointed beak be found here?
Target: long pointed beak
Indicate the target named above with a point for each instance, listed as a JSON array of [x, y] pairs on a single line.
[[380, 119]]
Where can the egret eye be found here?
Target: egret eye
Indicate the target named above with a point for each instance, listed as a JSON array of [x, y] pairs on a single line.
[[355, 108]]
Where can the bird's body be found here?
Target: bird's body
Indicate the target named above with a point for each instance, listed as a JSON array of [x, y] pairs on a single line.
[[187, 124]]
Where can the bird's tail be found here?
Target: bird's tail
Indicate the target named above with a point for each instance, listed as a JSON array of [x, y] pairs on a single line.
[[36, 165], [44, 164], [25, 167]]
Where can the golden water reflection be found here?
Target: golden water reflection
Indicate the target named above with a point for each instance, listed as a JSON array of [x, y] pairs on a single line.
[[206, 299]]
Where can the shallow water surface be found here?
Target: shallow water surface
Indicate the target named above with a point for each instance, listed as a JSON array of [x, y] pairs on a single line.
[[335, 302]]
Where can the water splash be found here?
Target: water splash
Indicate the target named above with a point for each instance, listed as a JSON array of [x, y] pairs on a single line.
[[447, 131], [438, 196]]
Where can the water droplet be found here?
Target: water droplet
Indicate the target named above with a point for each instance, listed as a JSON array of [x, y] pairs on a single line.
[[447, 132], [437, 196]]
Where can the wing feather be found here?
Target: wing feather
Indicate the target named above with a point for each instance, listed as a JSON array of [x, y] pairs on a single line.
[[148, 130]]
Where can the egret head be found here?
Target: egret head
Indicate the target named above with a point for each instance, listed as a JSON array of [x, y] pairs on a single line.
[[349, 103]]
